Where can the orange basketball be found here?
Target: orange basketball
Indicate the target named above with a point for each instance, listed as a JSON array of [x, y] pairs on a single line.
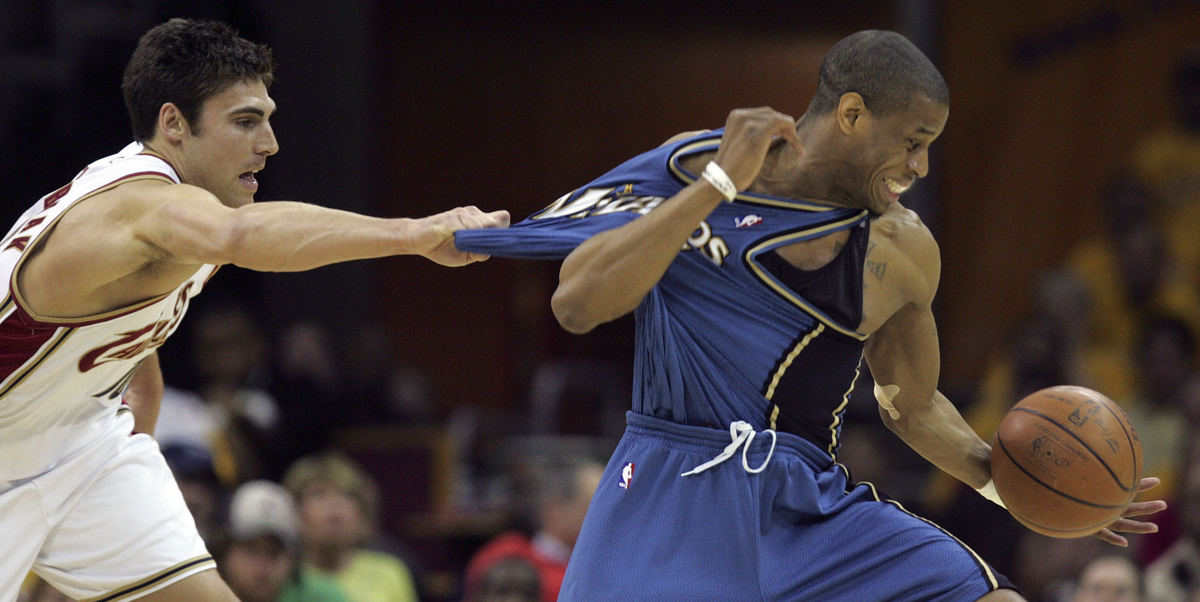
[[1066, 461]]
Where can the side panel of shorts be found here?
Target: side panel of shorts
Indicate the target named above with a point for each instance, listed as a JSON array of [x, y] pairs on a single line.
[[789, 533], [125, 532]]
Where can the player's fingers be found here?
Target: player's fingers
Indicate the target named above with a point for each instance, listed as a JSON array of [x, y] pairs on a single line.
[[1144, 508], [499, 219], [785, 127], [1125, 525], [1108, 536], [1149, 482]]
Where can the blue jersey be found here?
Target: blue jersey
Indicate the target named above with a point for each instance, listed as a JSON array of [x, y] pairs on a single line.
[[730, 333], [727, 334]]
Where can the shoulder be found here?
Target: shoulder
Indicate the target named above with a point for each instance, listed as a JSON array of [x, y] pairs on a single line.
[[903, 240]]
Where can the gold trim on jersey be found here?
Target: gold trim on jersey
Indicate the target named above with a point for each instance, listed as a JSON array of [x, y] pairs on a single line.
[[45, 351], [754, 198], [985, 568], [787, 361], [195, 565], [786, 292], [49, 227], [838, 411]]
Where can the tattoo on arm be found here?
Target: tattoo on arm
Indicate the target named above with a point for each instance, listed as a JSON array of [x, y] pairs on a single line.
[[875, 268]]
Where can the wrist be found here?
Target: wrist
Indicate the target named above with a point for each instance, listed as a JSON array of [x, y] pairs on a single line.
[[989, 491], [713, 174]]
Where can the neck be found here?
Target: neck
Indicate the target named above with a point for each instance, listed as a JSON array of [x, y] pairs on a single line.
[[791, 174], [164, 149], [330, 559]]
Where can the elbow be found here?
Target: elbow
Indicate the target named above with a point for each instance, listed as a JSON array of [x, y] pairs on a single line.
[[570, 313]]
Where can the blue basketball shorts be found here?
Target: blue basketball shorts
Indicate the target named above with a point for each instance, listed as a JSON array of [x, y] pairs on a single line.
[[798, 530]]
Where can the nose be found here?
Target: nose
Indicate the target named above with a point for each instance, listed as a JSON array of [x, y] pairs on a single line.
[[919, 163], [268, 145]]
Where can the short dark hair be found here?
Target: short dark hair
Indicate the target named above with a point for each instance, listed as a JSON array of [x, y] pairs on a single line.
[[883, 67], [185, 62]]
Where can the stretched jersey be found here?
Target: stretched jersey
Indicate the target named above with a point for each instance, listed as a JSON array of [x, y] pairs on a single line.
[[61, 379], [726, 334]]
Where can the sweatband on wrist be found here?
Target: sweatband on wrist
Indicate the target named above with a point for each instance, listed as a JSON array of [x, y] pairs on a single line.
[[720, 180], [989, 491]]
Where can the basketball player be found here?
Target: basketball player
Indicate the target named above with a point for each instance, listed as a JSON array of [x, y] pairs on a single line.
[[762, 262], [98, 273]]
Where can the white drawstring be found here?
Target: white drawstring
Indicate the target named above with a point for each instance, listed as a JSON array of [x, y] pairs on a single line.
[[742, 434]]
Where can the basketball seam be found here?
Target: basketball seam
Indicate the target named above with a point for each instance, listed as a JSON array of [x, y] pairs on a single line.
[[1107, 468], [1004, 448]]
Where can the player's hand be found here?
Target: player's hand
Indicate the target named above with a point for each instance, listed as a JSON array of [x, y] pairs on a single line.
[[1126, 524], [748, 135], [434, 237]]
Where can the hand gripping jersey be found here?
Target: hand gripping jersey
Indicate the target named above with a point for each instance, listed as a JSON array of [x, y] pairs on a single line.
[[731, 332], [61, 380]]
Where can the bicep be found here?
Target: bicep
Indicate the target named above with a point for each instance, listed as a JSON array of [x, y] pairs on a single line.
[[904, 352], [186, 224]]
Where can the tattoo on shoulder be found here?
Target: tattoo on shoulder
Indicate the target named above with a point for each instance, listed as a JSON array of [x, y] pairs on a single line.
[[875, 268]]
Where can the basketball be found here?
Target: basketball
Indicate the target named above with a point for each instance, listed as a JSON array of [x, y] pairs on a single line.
[[1066, 461]]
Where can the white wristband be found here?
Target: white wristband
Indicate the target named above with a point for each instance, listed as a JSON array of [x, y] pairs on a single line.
[[720, 180], [989, 491]]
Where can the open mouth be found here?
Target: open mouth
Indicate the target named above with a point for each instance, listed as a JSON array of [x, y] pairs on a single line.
[[248, 179], [895, 187]]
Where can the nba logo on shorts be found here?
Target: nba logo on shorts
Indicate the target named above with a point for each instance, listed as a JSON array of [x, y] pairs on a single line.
[[626, 475]]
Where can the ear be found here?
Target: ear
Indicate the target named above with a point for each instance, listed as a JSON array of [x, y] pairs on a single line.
[[171, 123], [849, 110]]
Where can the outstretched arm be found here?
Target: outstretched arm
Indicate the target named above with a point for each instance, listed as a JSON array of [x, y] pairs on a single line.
[[609, 274], [190, 226]]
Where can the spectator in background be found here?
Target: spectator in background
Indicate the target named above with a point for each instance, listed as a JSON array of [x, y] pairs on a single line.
[[1166, 362], [192, 467], [259, 559], [1130, 272], [1168, 160], [304, 380], [508, 579], [230, 413], [561, 499], [1175, 575], [339, 505], [1110, 578]]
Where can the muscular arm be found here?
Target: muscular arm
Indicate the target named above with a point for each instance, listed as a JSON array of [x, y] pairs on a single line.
[[904, 352], [190, 226], [609, 274], [144, 394]]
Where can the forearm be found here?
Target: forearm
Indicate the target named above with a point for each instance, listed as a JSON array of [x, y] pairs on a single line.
[[938, 433], [144, 395], [285, 236], [609, 274]]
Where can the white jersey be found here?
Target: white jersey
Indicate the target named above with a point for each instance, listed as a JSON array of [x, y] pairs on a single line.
[[61, 380]]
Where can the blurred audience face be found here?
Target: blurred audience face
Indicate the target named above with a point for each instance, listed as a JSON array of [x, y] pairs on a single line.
[[563, 518], [509, 580], [330, 516], [1109, 579], [1190, 507], [257, 569]]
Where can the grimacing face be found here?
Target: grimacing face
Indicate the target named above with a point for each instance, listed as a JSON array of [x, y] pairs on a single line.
[[230, 142], [894, 152]]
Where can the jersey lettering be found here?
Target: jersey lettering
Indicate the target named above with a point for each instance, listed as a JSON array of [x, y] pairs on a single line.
[[713, 247]]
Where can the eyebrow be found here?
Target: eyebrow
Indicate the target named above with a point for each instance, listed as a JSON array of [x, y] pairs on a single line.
[[251, 110]]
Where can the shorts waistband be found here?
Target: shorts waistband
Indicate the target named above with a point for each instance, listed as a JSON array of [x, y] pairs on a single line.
[[711, 441]]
